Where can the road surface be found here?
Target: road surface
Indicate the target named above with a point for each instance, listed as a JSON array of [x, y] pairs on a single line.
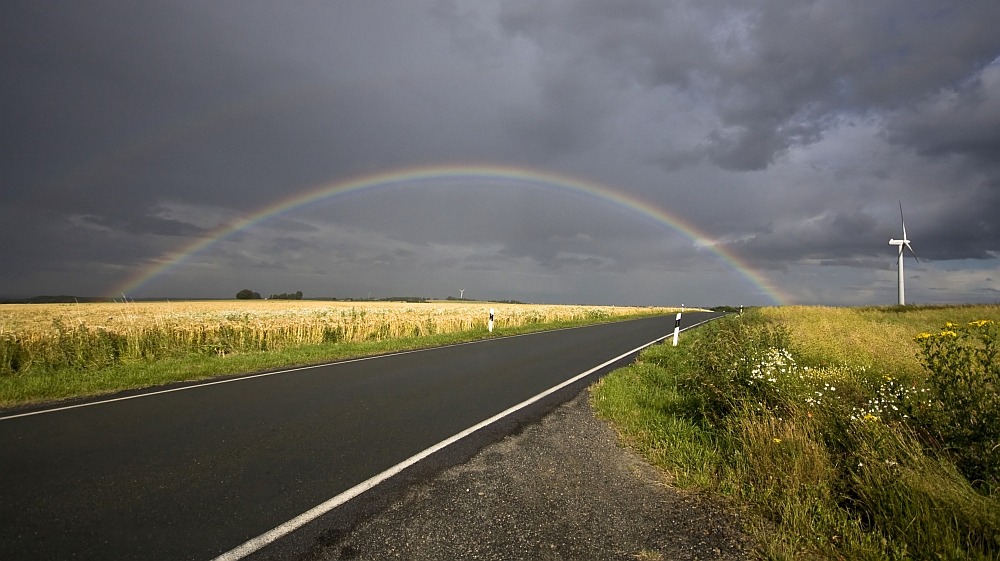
[[191, 474]]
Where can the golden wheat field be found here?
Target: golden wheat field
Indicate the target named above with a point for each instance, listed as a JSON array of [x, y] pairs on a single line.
[[360, 318], [98, 334]]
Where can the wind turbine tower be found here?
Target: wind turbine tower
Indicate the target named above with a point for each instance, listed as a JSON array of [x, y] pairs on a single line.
[[901, 243], [461, 291]]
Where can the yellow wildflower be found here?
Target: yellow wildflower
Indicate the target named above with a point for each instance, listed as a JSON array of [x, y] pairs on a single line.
[[947, 334], [777, 439], [922, 336], [950, 325], [981, 322], [870, 417]]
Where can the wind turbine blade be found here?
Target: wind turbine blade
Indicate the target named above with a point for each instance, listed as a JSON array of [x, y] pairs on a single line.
[[911, 253], [903, 222]]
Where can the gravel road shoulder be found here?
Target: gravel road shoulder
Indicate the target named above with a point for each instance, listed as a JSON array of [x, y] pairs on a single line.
[[563, 488]]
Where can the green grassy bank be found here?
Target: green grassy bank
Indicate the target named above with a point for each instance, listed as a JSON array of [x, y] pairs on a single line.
[[48, 384], [839, 433]]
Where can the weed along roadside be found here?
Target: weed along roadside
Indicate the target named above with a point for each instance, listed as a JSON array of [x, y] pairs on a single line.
[[51, 352], [864, 433]]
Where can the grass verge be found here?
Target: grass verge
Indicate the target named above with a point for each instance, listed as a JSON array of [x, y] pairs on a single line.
[[810, 421], [47, 385]]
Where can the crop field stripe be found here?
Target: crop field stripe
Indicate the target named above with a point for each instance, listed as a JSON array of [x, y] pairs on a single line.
[[273, 535], [283, 371]]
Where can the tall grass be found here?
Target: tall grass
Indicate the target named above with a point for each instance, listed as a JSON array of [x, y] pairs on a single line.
[[143, 333], [57, 351], [823, 449], [878, 338]]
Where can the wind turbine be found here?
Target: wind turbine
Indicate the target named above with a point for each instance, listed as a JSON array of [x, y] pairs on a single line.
[[901, 243], [461, 291]]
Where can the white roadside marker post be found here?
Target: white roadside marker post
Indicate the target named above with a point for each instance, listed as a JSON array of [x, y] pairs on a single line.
[[491, 320], [677, 327]]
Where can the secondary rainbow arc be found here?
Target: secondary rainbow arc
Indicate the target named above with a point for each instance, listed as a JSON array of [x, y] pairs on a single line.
[[414, 174]]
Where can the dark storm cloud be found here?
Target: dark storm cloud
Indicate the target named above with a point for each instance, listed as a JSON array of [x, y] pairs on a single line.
[[83, 87], [774, 72], [517, 221], [148, 225], [853, 224], [779, 75], [960, 124], [854, 240], [969, 229], [832, 238], [111, 106], [962, 120], [787, 131]]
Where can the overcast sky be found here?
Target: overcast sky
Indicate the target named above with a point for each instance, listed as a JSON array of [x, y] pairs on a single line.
[[787, 132]]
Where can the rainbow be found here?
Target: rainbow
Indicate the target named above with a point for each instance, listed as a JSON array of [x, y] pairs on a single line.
[[415, 174]]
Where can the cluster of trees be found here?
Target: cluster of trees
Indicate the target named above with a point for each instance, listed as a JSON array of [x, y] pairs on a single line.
[[284, 296], [247, 294]]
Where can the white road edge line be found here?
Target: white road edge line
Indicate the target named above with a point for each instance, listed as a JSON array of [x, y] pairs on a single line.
[[273, 535], [287, 370]]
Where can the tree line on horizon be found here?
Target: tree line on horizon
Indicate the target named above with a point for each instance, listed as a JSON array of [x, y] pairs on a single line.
[[247, 294]]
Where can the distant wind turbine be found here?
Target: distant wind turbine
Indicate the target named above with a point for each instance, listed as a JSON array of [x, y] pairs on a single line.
[[901, 243], [461, 291]]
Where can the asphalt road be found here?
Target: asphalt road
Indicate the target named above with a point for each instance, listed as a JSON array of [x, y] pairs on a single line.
[[191, 474]]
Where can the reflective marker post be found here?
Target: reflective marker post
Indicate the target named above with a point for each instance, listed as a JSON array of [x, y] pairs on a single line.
[[677, 327], [491, 320]]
